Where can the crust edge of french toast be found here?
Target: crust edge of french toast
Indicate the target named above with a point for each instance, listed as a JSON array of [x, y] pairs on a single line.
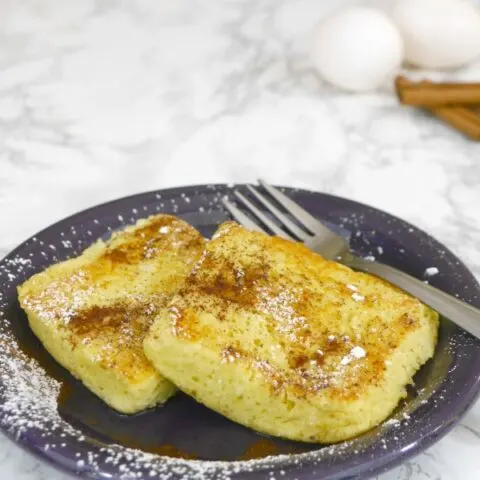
[[130, 399], [315, 421]]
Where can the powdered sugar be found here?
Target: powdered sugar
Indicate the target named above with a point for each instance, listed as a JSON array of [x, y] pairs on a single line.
[[358, 352], [357, 297], [431, 271], [355, 354]]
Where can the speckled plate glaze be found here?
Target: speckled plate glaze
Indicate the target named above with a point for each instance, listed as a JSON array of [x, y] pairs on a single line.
[[45, 410]]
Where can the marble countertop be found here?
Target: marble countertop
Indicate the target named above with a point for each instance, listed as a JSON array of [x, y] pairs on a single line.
[[101, 99]]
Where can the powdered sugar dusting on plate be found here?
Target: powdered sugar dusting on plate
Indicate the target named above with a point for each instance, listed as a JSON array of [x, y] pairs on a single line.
[[431, 271], [29, 406]]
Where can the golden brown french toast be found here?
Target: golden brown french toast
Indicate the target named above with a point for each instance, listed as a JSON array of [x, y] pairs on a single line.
[[279, 339], [92, 312]]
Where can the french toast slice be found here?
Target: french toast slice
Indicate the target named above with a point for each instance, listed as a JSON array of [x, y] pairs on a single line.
[[92, 312], [277, 338]]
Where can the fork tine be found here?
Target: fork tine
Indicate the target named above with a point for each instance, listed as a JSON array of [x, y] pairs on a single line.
[[241, 218], [297, 231], [314, 225], [262, 217]]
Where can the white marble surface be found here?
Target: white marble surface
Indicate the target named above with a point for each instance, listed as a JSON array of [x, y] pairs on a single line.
[[104, 98]]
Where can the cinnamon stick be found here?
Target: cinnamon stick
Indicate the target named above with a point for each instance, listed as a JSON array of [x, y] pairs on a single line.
[[431, 94], [462, 118]]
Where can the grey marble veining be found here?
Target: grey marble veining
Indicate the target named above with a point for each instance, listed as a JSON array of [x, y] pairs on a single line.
[[100, 99]]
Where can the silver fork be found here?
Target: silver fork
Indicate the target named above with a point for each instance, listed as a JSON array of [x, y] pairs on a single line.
[[322, 240]]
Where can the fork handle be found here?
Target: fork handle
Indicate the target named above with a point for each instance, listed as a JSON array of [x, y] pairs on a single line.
[[459, 312]]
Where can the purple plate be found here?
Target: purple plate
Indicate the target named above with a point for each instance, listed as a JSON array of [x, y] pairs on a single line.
[[52, 415]]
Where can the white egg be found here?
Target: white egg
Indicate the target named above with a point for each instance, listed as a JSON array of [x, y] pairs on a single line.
[[357, 48], [438, 33]]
